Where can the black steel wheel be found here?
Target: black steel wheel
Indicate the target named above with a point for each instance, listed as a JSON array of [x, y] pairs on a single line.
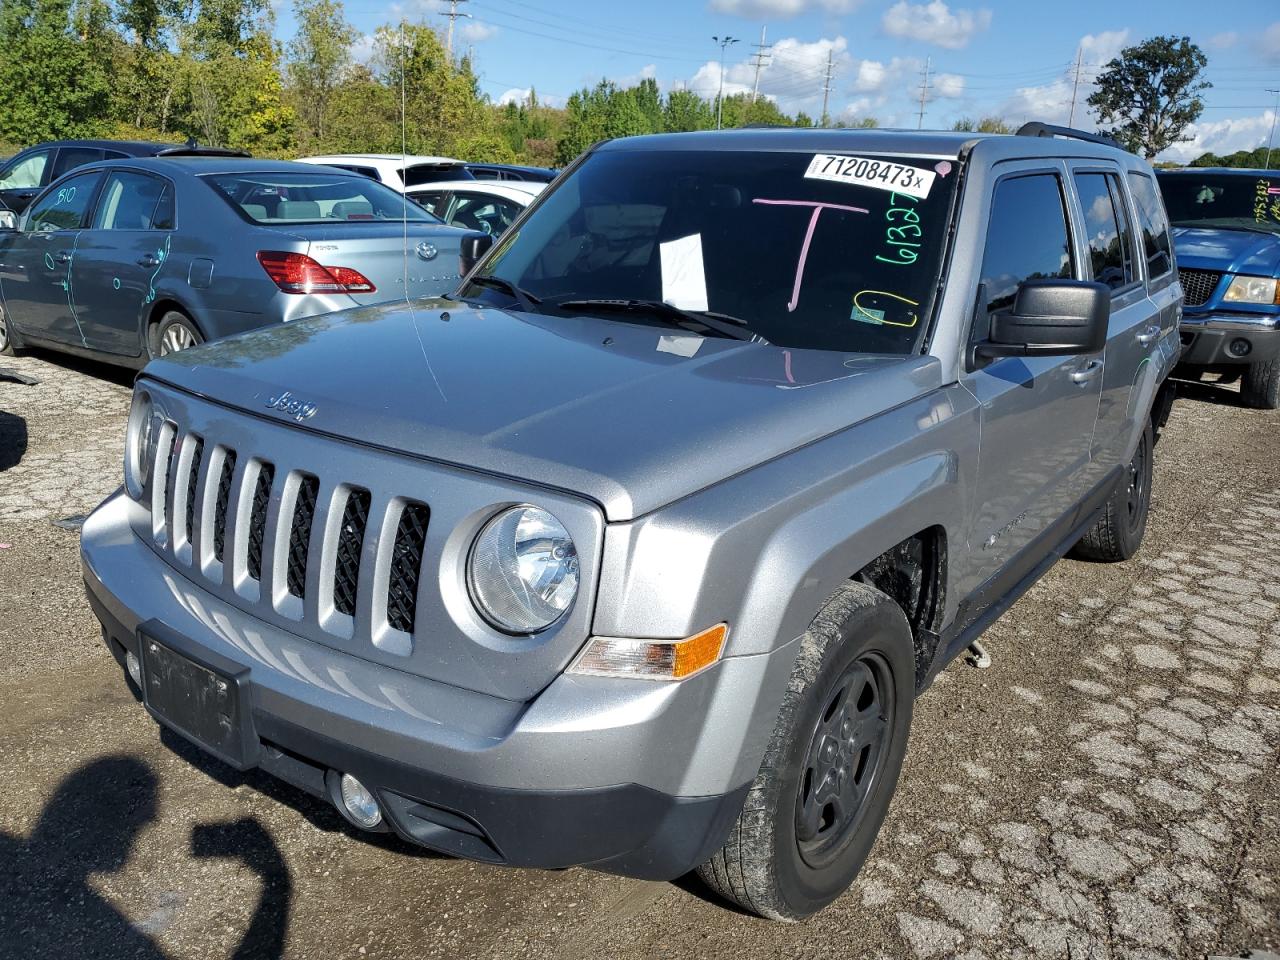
[[1118, 533]]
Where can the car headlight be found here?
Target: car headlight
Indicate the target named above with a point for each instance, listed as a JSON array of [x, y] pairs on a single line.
[[523, 571], [1252, 290], [140, 444]]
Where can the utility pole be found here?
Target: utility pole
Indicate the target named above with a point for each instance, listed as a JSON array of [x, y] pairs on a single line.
[[1272, 135], [761, 59], [826, 89], [453, 15], [1075, 88], [724, 43], [924, 92]]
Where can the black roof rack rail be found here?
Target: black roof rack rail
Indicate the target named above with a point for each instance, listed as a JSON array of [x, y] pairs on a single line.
[[1035, 128]]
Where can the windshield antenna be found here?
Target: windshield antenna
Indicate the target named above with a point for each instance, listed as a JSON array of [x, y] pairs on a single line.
[[404, 169]]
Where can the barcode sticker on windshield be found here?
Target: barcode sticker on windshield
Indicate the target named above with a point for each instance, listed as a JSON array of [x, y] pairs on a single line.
[[870, 172]]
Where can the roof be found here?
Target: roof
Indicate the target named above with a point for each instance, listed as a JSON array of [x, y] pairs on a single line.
[[201, 166], [934, 143], [142, 148], [498, 188], [385, 157], [518, 167], [1229, 171]]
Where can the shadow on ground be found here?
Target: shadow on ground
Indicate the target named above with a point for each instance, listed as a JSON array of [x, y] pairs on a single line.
[[89, 825], [13, 440]]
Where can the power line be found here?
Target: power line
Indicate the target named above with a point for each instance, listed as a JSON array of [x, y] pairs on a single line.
[[453, 15], [761, 59]]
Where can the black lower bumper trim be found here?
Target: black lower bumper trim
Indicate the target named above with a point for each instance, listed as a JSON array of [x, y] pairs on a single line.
[[627, 829]]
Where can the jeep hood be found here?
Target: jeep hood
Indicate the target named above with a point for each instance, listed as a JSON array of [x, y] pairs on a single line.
[[1233, 251], [630, 415]]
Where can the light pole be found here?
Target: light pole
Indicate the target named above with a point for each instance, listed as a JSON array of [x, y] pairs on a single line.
[[1272, 135], [724, 43]]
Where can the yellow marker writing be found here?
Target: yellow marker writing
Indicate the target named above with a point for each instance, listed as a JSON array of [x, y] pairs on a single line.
[[866, 311]]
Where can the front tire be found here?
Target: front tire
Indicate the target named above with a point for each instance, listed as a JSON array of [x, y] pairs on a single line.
[[1118, 533], [7, 347], [1261, 386], [174, 332], [816, 806]]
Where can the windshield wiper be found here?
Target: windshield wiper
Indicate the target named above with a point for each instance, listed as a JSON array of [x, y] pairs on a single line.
[[722, 324], [527, 300]]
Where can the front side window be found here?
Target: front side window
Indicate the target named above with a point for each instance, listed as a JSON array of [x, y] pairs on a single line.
[[1027, 237], [1157, 247], [1106, 229], [1243, 201], [64, 206], [804, 250], [24, 173], [488, 214], [134, 201], [274, 198], [71, 157]]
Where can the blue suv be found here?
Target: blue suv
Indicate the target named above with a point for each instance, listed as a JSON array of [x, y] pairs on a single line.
[[1227, 241]]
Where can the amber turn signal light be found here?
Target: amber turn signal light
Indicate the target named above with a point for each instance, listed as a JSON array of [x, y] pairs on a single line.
[[652, 659]]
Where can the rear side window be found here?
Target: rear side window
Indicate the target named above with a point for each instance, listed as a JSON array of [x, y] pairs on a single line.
[[1156, 245], [63, 207], [1027, 238], [134, 201], [26, 172], [71, 157], [1106, 224]]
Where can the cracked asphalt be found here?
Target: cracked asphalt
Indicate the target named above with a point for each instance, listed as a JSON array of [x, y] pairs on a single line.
[[1110, 787]]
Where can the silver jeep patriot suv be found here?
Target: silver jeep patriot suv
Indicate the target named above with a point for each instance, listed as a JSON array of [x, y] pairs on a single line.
[[636, 551]]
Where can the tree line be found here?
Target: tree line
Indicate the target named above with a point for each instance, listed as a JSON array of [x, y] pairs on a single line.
[[213, 70]]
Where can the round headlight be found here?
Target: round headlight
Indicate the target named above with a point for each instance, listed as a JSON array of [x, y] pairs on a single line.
[[140, 440], [523, 570]]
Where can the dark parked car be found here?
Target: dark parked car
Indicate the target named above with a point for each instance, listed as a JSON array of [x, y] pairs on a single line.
[[131, 259], [1227, 239], [511, 171], [28, 172]]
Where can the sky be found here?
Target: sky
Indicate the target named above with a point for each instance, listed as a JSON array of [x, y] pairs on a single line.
[[1010, 58]]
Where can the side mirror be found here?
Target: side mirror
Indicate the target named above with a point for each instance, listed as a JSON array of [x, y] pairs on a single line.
[[474, 246], [8, 220], [1051, 318]]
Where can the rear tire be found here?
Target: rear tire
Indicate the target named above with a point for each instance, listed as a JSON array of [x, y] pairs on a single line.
[[1118, 533], [1261, 386], [174, 332], [829, 772]]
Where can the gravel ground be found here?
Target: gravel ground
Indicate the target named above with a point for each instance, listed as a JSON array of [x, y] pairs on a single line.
[[1108, 788]]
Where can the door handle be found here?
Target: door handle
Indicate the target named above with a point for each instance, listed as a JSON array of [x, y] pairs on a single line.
[[62, 256], [1149, 334], [148, 261], [1087, 372]]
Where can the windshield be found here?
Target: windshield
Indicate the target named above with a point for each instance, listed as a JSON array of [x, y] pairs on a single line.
[[1248, 201], [803, 250], [275, 198]]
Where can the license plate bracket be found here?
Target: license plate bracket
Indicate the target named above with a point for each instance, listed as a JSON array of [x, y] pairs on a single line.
[[200, 696]]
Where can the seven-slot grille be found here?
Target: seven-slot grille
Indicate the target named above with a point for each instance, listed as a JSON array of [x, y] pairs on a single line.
[[221, 493], [1198, 285]]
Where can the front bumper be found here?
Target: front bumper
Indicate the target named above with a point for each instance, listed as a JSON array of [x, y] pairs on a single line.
[[1215, 338], [632, 777]]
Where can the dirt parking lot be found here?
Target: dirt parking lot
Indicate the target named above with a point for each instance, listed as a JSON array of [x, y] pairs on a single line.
[[1108, 788]]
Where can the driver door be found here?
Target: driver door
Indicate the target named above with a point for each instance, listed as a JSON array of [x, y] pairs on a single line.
[[38, 286], [22, 178]]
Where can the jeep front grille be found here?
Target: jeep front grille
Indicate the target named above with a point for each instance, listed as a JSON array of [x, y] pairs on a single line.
[[285, 534], [1198, 285]]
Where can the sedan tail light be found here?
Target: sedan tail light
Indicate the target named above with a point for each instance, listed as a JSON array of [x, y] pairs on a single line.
[[298, 273]]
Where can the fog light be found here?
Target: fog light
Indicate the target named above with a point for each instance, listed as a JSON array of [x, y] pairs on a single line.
[[360, 803], [1239, 347], [134, 667]]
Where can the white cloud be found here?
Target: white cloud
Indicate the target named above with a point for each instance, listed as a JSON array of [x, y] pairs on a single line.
[[764, 9], [647, 72], [1098, 49], [935, 23], [948, 86], [1269, 43], [1222, 137], [521, 95], [474, 31], [793, 77], [1223, 41], [362, 51]]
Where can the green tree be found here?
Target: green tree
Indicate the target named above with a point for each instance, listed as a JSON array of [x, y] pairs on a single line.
[[319, 57], [1150, 93], [685, 110]]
